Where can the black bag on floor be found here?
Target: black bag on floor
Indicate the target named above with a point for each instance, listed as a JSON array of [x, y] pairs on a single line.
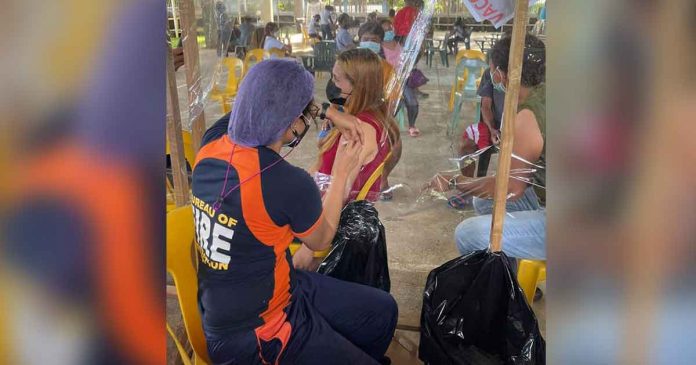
[[474, 312], [359, 249]]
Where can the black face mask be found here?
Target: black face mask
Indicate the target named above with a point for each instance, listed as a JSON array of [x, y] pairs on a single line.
[[298, 136]]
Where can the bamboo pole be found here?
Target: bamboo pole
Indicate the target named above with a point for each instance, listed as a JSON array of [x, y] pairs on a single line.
[[175, 138], [189, 33], [514, 75]]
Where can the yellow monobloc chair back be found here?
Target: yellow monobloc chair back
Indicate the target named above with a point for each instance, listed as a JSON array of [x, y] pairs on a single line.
[[189, 154], [462, 73], [235, 72], [253, 57], [181, 264], [470, 54], [276, 53]]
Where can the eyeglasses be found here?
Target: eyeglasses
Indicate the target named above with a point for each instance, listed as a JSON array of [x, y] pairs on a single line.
[[311, 112]]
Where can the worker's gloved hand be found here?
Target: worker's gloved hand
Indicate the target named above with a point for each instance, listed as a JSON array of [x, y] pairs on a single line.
[[347, 157]]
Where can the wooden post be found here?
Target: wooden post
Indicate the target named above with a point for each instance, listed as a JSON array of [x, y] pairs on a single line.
[[193, 74], [175, 138], [514, 75], [266, 11], [299, 10]]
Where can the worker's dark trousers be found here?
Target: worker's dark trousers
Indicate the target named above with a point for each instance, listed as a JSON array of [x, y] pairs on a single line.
[[332, 322]]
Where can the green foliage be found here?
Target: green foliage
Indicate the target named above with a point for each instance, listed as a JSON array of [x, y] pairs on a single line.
[[439, 7], [536, 8]]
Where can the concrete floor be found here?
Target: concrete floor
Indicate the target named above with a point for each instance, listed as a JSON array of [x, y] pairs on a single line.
[[419, 227]]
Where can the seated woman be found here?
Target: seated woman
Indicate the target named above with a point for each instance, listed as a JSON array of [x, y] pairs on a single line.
[[457, 34], [524, 236], [358, 74], [313, 28], [344, 41], [249, 203], [272, 41]]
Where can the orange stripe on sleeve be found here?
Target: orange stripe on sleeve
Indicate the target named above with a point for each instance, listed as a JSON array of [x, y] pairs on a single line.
[[312, 228]]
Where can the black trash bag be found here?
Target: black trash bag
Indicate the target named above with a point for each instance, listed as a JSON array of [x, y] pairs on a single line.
[[474, 312], [359, 249]]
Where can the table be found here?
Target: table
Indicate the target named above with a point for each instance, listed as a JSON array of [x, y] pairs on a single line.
[[308, 61], [481, 43]]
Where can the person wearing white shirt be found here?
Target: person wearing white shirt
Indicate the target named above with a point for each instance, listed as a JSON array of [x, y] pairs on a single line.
[[313, 28], [326, 22], [271, 40]]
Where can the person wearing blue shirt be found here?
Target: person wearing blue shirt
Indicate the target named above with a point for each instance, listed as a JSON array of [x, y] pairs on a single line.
[[344, 41]]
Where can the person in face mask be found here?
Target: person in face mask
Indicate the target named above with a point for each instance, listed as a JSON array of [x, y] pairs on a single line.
[[486, 131], [248, 204], [392, 53], [525, 235], [358, 73], [271, 30], [371, 37]]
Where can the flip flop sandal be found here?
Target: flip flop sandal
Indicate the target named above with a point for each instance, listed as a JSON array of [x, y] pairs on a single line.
[[413, 132], [387, 196]]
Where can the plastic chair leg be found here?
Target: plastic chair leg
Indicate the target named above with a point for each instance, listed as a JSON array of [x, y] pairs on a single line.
[[226, 105], [457, 99], [444, 59], [528, 275], [401, 118]]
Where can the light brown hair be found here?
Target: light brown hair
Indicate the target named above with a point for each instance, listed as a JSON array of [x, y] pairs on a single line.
[[364, 70]]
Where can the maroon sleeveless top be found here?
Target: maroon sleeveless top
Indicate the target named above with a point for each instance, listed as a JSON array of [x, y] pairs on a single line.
[[383, 148]]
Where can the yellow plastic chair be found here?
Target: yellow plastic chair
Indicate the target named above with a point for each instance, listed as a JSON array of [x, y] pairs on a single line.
[[529, 274], [189, 154], [170, 196], [306, 39], [362, 194], [181, 265], [253, 57], [460, 79], [235, 72], [276, 53], [190, 158]]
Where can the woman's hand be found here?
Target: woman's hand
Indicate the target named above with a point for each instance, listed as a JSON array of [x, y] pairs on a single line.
[[348, 125], [347, 158]]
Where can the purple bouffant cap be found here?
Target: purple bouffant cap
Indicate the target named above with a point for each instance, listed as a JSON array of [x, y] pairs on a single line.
[[272, 95]]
